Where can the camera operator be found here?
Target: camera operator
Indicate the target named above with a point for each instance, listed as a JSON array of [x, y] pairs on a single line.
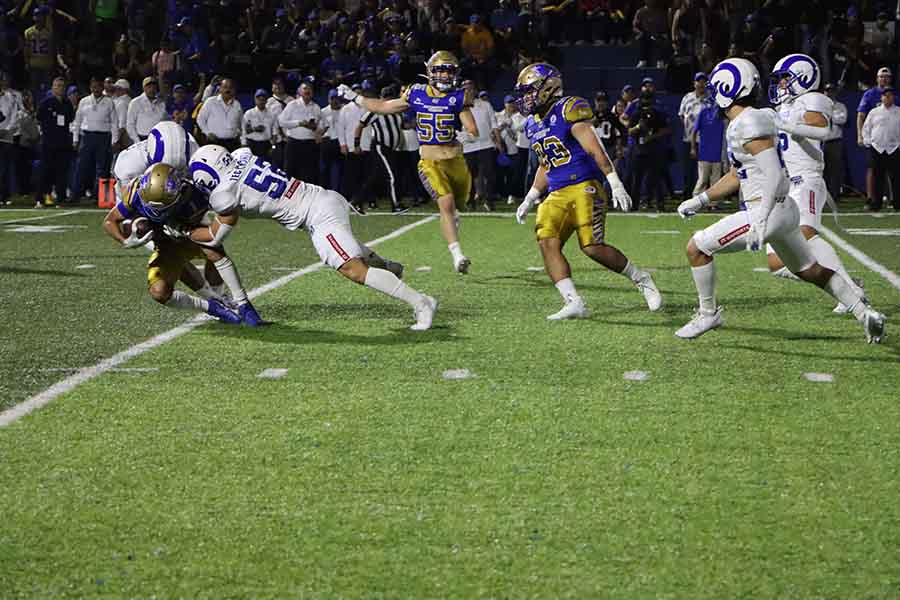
[[648, 132]]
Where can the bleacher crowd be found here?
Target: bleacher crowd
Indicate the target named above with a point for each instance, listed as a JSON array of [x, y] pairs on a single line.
[[81, 80]]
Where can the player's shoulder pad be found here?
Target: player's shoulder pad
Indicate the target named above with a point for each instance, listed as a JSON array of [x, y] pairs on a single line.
[[756, 123], [575, 109], [818, 102], [223, 199]]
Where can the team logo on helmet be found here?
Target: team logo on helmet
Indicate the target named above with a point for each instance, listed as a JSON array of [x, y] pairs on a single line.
[[537, 85], [793, 76]]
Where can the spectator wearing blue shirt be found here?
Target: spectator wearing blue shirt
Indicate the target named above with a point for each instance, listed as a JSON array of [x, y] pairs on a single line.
[[707, 142], [194, 47], [180, 106], [337, 68], [870, 100], [55, 114]]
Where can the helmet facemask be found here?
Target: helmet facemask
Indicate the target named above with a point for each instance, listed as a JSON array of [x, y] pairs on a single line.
[[444, 78]]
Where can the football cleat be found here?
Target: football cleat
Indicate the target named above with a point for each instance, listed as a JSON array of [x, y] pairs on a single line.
[[651, 293], [424, 312], [462, 265], [394, 267], [700, 324], [574, 308], [873, 321], [218, 310], [843, 309], [249, 316]]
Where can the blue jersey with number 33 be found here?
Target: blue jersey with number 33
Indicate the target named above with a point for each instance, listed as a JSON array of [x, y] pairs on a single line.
[[436, 114], [558, 151]]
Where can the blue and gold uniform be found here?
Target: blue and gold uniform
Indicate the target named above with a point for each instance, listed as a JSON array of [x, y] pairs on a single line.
[[577, 200], [436, 116], [170, 255]]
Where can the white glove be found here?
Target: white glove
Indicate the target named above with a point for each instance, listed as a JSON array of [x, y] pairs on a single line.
[[620, 197], [346, 93], [174, 233], [756, 237], [530, 198], [133, 242], [689, 208]]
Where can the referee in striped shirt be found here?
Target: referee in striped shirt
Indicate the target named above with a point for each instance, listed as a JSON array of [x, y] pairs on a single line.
[[384, 161]]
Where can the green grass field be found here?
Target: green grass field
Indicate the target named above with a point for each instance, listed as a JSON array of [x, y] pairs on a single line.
[[364, 473]]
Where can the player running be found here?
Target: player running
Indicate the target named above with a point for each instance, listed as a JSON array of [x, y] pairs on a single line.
[[572, 165], [440, 109], [803, 118], [758, 173], [243, 184], [168, 200]]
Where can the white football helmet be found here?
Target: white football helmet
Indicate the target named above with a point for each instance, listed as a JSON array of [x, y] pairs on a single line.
[[793, 76], [170, 144], [209, 166], [732, 79]]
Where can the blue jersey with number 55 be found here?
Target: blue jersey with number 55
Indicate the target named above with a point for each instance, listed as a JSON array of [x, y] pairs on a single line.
[[558, 151], [256, 187], [436, 114]]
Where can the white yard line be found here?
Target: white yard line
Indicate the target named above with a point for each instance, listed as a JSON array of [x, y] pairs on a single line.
[[68, 384], [862, 257], [41, 218]]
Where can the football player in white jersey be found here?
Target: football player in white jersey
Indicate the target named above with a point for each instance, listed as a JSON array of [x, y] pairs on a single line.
[[757, 172], [803, 118], [243, 184], [169, 144]]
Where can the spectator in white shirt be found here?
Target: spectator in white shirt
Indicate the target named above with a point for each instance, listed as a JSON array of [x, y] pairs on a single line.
[[481, 152], [691, 105], [145, 111], [332, 159], [355, 155], [881, 134], [220, 117], [834, 144], [300, 121], [509, 178], [10, 109], [275, 105], [121, 100], [96, 131], [259, 126]]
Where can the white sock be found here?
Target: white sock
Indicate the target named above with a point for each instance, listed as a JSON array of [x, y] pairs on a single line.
[[180, 299], [206, 292], [785, 273], [705, 280], [387, 283], [845, 292], [632, 272], [566, 288], [456, 251], [230, 276], [828, 258]]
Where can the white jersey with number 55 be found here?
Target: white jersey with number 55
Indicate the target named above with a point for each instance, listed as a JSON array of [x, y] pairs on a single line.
[[258, 187]]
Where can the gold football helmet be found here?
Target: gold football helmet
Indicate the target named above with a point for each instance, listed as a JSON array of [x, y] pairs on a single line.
[[160, 189], [538, 85], [443, 71]]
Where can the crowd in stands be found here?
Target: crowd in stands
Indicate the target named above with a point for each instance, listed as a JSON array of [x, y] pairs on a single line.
[[82, 79]]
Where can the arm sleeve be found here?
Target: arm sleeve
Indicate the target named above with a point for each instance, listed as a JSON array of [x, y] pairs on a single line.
[[770, 164], [113, 123], [77, 121]]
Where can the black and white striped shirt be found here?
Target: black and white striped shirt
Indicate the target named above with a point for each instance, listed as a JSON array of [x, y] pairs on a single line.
[[387, 130]]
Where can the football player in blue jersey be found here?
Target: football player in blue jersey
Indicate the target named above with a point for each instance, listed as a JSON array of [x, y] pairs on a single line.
[[573, 164], [440, 108], [168, 201]]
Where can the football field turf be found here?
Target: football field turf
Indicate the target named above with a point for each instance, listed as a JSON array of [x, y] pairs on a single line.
[[370, 469]]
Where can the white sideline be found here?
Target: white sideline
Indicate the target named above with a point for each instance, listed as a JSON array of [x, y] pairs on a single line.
[[27, 219], [862, 257], [68, 384]]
